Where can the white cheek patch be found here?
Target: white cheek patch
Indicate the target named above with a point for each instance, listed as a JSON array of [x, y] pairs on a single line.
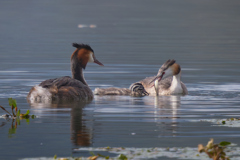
[[91, 58], [168, 73]]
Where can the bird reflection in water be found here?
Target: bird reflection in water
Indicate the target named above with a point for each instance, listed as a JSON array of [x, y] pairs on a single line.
[[80, 134], [166, 113], [163, 110]]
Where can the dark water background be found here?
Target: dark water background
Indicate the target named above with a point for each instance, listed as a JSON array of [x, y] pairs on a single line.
[[132, 39]]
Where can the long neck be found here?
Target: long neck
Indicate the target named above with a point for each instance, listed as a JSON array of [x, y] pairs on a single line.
[[77, 71], [176, 86]]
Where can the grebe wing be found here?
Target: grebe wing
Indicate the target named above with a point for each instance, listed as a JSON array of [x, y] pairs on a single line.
[[165, 83], [62, 82], [61, 89]]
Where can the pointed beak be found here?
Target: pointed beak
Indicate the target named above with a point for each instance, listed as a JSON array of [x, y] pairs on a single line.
[[158, 77], [96, 61], [99, 63]]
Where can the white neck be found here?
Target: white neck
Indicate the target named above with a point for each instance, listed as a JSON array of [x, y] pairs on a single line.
[[176, 87]]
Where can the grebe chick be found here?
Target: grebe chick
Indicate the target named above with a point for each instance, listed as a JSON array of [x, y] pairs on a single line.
[[67, 88], [168, 81], [135, 90]]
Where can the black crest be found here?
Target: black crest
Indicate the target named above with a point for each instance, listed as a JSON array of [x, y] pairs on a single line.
[[81, 46], [167, 64]]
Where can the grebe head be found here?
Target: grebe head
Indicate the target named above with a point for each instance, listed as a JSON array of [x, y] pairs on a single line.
[[84, 54], [169, 68]]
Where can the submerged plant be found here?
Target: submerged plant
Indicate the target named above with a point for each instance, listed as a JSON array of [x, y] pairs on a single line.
[[215, 151]]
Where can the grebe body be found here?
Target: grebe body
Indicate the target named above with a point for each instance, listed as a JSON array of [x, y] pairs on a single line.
[[168, 81], [67, 88]]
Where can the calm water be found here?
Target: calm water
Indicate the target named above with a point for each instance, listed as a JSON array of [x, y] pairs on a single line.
[[132, 39]]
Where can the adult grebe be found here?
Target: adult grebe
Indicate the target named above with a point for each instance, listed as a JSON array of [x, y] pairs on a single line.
[[67, 88], [167, 81]]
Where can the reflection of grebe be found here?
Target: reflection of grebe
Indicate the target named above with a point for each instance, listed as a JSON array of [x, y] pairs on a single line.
[[67, 88], [81, 134], [167, 81]]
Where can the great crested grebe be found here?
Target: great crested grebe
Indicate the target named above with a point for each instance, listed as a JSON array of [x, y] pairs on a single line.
[[167, 82], [67, 88]]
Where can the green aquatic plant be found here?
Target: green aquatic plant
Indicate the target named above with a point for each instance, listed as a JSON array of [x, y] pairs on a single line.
[[122, 157], [16, 113], [16, 116], [215, 151]]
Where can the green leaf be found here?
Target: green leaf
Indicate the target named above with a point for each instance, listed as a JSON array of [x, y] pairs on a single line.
[[18, 113], [223, 122], [92, 153], [100, 155], [122, 157], [224, 143], [12, 102], [27, 113]]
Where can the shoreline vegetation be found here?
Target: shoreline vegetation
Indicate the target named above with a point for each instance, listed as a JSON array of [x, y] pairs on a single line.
[[222, 151]]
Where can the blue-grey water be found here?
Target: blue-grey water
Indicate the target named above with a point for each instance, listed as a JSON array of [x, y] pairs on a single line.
[[132, 39]]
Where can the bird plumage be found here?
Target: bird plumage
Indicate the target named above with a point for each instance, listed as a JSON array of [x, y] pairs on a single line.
[[67, 88], [169, 77]]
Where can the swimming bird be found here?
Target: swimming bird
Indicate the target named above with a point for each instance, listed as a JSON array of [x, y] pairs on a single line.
[[67, 88], [166, 82]]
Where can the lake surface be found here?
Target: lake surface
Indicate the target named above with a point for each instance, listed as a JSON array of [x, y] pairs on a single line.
[[132, 39]]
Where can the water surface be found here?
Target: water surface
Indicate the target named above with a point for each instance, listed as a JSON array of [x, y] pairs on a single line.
[[132, 39]]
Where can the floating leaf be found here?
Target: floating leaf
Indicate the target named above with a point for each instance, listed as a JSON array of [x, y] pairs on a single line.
[[122, 157], [92, 153], [26, 115], [108, 148], [224, 143], [100, 155]]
